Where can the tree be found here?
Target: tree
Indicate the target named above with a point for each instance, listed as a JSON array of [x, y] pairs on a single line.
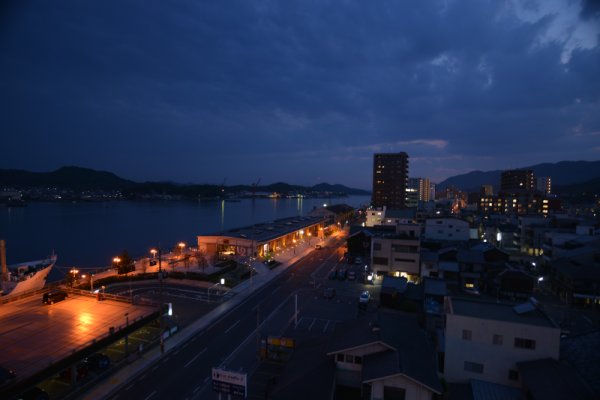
[[125, 264]]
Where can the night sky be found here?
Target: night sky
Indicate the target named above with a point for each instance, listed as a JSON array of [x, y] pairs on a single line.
[[297, 91]]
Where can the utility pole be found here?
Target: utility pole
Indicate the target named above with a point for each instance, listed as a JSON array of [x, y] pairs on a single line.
[[258, 330], [160, 306]]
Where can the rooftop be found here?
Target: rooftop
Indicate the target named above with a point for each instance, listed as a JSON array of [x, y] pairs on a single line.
[[549, 379], [410, 351], [264, 232], [500, 312]]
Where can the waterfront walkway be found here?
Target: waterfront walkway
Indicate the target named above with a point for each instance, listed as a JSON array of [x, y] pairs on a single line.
[[112, 384]]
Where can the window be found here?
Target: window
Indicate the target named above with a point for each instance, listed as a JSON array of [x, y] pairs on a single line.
[[497, 340], [467, 334], [340, 357], [349, 358], [473, 367], [394, 393], [357, 360], [376, 246], [513, 375], [380, 260], [522, 343]]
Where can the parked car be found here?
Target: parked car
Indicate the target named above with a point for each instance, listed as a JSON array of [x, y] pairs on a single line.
[[35, 393], [358, 261], [364, 297], [351, 275], [342, 274], [6, 375], [97, 361], [333, 274], [81, 371], [329, 293], [54, 296]]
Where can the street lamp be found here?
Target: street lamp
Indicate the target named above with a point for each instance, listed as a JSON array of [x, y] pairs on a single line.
[[126, 335], [181, 247], [160, 280], [117, 260], [74, 272]]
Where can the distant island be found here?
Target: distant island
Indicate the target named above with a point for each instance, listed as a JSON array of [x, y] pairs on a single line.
[[76, 183]]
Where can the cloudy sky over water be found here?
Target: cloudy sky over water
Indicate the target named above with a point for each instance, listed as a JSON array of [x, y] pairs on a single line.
[[297, 91]]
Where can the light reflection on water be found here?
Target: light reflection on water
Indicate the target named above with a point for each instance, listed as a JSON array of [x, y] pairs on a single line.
[[89, 235]]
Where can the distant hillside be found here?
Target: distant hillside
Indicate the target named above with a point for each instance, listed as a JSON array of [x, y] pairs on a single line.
[[587, 188], [66, 177], [76, 178], [563, 173]]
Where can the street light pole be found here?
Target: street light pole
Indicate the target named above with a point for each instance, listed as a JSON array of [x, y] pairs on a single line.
[[160, 306], [126, 335]]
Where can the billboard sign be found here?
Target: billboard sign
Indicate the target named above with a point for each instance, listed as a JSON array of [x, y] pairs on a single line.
[[229, 382]]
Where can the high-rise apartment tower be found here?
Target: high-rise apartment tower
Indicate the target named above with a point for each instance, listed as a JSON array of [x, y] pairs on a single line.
[[390, 178]]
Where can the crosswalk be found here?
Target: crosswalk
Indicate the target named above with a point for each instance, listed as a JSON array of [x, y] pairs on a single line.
[[310, 324]]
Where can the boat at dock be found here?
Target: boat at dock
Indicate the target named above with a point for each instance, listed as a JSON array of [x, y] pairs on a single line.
[[26, 276]]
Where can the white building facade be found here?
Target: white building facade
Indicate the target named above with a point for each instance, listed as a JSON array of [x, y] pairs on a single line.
[[485, 341]]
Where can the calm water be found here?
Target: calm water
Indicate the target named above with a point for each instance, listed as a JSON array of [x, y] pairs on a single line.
[[89, 235]]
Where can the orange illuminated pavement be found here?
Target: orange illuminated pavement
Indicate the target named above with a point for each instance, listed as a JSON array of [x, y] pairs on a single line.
[[33, 336]]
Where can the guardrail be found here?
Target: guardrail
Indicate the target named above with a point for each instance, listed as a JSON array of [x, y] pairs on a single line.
[[11, 298]]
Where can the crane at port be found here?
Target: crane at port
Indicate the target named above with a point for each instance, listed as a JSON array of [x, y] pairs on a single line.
[[254, 186]]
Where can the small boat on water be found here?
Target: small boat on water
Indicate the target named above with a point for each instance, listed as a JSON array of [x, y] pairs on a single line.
[[24, 277]]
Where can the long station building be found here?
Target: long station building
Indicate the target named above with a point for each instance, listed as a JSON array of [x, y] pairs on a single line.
[[263, 239]]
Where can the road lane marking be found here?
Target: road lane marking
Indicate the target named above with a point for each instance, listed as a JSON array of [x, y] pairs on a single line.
[[311, 325], [276, 289], [198, 388], [129, 387], [151, 394], [206, 379], [155, 367], [326, 325], [232, 326], [194, 359]]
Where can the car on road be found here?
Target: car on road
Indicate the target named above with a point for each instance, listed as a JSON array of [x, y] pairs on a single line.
[[351, 275], [364, 297], [54, 296], [358, 261], [333, 274], [329, 293], [6, 375], [318, 246], [35, 393], [97, 361], [342, 274]]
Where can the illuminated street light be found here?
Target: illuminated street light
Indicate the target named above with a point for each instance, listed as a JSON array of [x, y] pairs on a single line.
[[74, 272], [181, 247], [153, 252]]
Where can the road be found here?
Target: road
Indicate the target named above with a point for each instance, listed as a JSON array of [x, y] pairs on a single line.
[[232, 341]]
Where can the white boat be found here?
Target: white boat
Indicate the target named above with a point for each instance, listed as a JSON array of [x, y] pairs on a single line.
[[27, 276]]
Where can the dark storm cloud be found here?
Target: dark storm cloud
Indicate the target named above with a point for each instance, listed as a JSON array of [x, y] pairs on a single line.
[[301, 91], [590, 9]]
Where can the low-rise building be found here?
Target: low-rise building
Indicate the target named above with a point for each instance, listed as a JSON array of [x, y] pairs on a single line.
[[261, 240], [397, 253], [389, 359], [447, 229], [486, 341]]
